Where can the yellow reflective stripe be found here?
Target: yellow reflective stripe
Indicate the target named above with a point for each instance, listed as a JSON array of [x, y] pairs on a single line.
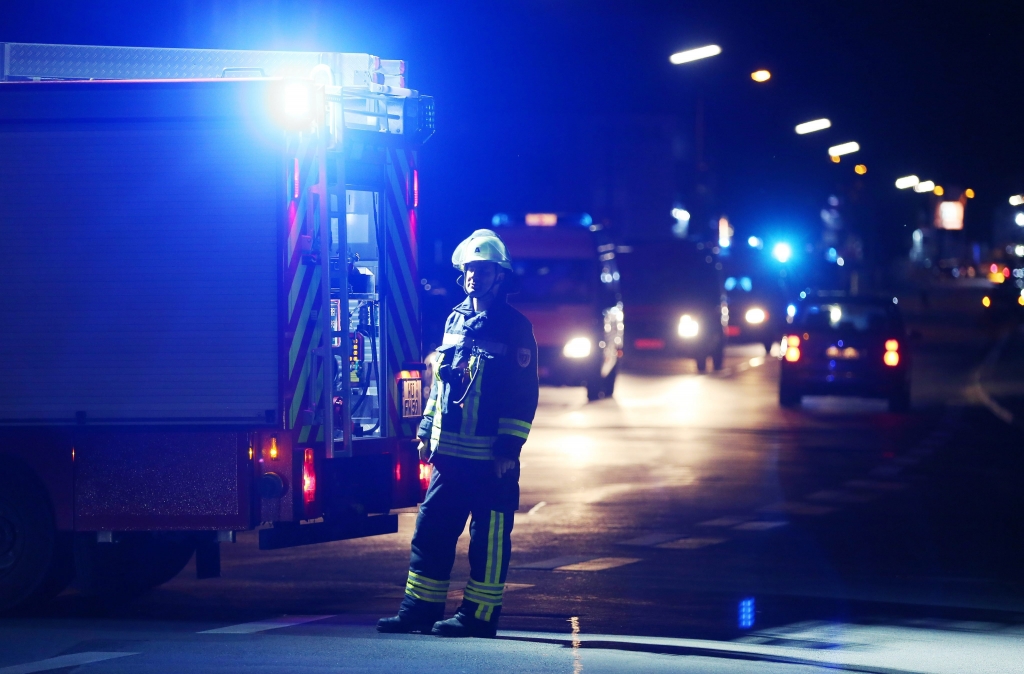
[[464, 453], [431, 407], [499, 539], [518, 434], [525, 425], [482, 441], [428, 582], [426, 589]]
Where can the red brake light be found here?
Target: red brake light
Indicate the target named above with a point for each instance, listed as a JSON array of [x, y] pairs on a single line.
[[792, 348], [308, 477]]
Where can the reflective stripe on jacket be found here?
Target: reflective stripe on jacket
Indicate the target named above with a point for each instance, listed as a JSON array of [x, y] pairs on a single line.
[[484, 393]]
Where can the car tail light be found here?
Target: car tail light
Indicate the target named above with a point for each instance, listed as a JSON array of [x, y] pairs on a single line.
[[792, 348], [426, 470], [892, 353], [308, 477]]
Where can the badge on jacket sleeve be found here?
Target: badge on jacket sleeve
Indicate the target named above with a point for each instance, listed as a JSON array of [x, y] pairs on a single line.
[[523, 356]]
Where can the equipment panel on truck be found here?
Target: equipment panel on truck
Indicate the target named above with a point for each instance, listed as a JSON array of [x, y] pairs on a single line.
[[128, 299]]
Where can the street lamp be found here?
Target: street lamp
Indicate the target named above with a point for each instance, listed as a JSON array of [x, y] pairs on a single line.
[[695, 54], [812, 126], [907, 181], [843, 148], [924, 186], [760, 75], [1017, 200]]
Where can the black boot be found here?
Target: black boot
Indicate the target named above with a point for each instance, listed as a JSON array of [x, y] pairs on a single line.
[[462, 625], [404, 624]]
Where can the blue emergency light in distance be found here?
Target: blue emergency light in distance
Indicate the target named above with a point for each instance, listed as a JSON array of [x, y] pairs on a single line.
[[746, 616]]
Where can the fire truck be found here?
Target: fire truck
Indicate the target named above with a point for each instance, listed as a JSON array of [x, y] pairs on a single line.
[[208, 286]]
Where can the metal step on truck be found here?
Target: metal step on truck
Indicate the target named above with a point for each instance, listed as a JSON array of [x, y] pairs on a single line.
[[208, 287]]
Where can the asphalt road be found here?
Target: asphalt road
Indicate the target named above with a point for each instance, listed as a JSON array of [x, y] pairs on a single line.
[[688, 524]]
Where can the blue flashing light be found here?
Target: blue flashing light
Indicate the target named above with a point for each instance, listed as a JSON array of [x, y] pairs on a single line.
[[295, 100], [746, 283], [831, 255], [803, 294], [730, 283], [782, 251], [791, 310], [755, 242], [586, 220], [746, 615], [499, 220]]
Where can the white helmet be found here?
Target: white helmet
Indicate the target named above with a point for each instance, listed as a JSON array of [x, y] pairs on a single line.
[[483, 244]]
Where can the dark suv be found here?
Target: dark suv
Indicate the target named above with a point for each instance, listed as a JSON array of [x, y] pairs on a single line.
[[851, 346]]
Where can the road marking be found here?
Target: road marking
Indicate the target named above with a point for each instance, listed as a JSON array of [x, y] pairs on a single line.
[[691, 543], [552, 564], [795, 508], [723, 522], [759, 526], [264, 625], [537, 507], [650, 540], [841, 496], [63, 662], [599, 564], [877, 485]]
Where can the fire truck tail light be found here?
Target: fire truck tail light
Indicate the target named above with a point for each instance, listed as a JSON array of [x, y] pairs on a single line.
[[426, 470], [308, 478], [398, 471]]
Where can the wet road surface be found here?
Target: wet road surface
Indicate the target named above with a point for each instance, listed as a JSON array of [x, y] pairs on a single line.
[[688, 524]]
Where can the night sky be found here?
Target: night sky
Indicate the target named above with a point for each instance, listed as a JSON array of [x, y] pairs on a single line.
[[533, 96]]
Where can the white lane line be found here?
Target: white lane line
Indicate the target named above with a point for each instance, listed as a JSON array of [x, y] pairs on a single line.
[[265, 625], [552, 564], [650, 540], [692, 543], [537, 507], [63, 662], [796, 508], [759, 526], [599, 564], [723, 522]]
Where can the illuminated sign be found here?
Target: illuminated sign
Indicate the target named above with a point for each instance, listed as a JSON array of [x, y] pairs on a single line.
[[541, 219]]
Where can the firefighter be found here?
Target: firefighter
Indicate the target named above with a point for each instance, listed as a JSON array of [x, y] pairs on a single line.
[[479, 414]]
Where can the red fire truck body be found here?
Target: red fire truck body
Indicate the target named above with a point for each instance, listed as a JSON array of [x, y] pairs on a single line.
[[209, 288]]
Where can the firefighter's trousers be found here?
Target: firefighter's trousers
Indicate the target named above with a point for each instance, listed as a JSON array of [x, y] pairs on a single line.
[[460, 488]]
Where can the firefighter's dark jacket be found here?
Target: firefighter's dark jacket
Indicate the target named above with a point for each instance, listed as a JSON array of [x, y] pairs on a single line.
[[484, 393]]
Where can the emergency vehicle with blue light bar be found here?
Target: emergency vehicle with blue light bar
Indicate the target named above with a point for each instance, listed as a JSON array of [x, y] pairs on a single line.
[[210, 307]]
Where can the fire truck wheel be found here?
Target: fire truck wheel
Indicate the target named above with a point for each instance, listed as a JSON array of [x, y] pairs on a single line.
[[134, 563], [35, 559]]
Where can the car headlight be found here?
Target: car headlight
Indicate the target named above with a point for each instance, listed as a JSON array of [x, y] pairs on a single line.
[[577, 347], [688, 327], [755, 316]]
